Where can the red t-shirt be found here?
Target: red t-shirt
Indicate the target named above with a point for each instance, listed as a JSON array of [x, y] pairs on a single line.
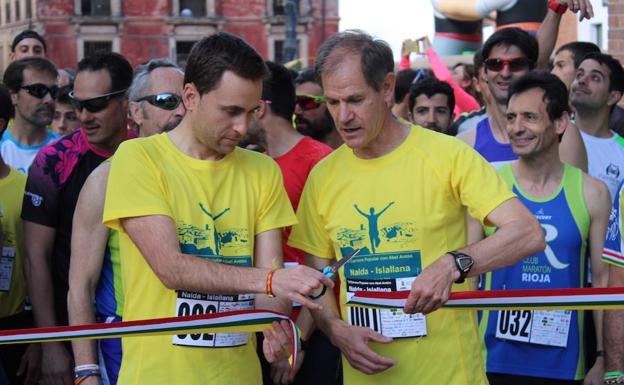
[[296, 164]]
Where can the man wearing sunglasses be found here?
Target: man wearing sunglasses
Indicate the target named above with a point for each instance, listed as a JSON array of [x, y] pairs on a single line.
[[508, 55], [199, 222], [311, 116], [55, 180], [32, 82], [155, 102], [397, 193]]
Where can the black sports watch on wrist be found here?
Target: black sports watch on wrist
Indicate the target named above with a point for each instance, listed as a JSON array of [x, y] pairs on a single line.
[[464, 263]]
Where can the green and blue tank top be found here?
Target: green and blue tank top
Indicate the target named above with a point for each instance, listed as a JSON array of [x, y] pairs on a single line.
[[522, 342]]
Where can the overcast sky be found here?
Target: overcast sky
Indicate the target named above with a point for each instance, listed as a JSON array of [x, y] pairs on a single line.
[[393, 21]]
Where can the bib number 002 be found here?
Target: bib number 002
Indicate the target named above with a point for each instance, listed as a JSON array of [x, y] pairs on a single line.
[[186, 309]]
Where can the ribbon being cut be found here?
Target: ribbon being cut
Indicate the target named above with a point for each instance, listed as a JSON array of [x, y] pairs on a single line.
[[235, 321], [258, 320], [565, 299]]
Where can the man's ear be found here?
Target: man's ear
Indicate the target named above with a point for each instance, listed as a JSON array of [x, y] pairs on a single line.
[[614, 97], [561, 124], [387, 87], [190, 96], [136, 113]]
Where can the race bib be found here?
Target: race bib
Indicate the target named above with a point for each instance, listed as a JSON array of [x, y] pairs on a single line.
[[7, 262], [295, 304], [385, 272], [189, 303], [540, 327]]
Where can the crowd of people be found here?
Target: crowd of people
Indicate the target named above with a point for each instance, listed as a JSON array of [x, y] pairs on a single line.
[[231, 184]]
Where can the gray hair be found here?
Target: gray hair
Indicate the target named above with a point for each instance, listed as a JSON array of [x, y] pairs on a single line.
[[141, 83], [376, 59]]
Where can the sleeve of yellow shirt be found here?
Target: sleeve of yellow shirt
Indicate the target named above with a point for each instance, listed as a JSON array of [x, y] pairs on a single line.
[[133, 188], [479, 186], [310, 234]]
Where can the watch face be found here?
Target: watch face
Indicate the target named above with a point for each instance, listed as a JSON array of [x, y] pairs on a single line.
[[465, 262]]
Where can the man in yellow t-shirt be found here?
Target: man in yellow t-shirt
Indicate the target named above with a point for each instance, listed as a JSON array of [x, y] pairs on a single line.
[[399, 194], [199, 223]]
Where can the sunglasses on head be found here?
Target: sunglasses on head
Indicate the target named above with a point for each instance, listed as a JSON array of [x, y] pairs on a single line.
[[309, 102], [515, 64], [166, 101], [39, 90], [95, 104]]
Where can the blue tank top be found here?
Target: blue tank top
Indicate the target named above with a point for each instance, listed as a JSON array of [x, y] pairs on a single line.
[[496, 153], [109, 291], [522, 342]]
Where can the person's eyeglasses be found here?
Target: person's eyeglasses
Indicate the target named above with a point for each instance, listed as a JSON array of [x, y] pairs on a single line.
[[39, 90], [515, 64], [166, 101], [95, 104], [309, 102]]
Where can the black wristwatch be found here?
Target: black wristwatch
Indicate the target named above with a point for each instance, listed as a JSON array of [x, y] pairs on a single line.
[[464, 263]]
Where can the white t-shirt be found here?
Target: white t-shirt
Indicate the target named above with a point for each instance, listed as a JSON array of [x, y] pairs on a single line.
[[605, 158], [19, 156]]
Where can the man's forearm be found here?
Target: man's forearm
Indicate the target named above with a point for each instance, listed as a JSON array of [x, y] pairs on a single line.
[[81, 312], [327, 319], [613, 329], [41, 292], [547, 37], [509, 244]]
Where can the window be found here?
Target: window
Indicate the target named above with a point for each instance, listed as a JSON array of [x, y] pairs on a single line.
[[183, 49], [192, 8], [91, 47], [28, 9], [596, 34], [17, 11], [279, 7], [278, 51], [96, 7], [7, 11]]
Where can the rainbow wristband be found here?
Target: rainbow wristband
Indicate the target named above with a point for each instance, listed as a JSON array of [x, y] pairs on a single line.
[[614, 378]]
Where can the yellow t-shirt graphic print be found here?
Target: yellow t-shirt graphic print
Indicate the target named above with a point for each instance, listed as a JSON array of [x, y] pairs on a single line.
[[218, 207], [404, 210]]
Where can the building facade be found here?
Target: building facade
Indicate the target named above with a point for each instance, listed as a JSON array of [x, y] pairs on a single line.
[[141, 30]]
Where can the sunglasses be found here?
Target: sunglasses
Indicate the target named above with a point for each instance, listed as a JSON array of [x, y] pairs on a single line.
[[309, 102], [95, 104], [39, 90], [515, 64], [166, 101]]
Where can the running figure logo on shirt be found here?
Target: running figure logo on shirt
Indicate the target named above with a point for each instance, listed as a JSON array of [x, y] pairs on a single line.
[[212, 240], [214, 218], [373, 225]]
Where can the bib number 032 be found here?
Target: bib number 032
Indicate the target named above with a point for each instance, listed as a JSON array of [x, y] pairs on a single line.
[[541, 327]]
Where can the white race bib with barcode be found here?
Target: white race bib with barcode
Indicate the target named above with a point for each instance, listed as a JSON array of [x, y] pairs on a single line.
[[393, 323], [541, 327], [389, 322], [189, 303], [7, 262]]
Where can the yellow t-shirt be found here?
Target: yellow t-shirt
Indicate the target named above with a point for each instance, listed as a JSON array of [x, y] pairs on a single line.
[[12, 283], [218, 208], [404, 210]]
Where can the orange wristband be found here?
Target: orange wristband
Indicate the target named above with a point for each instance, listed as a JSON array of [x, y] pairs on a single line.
[[269, 284]]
